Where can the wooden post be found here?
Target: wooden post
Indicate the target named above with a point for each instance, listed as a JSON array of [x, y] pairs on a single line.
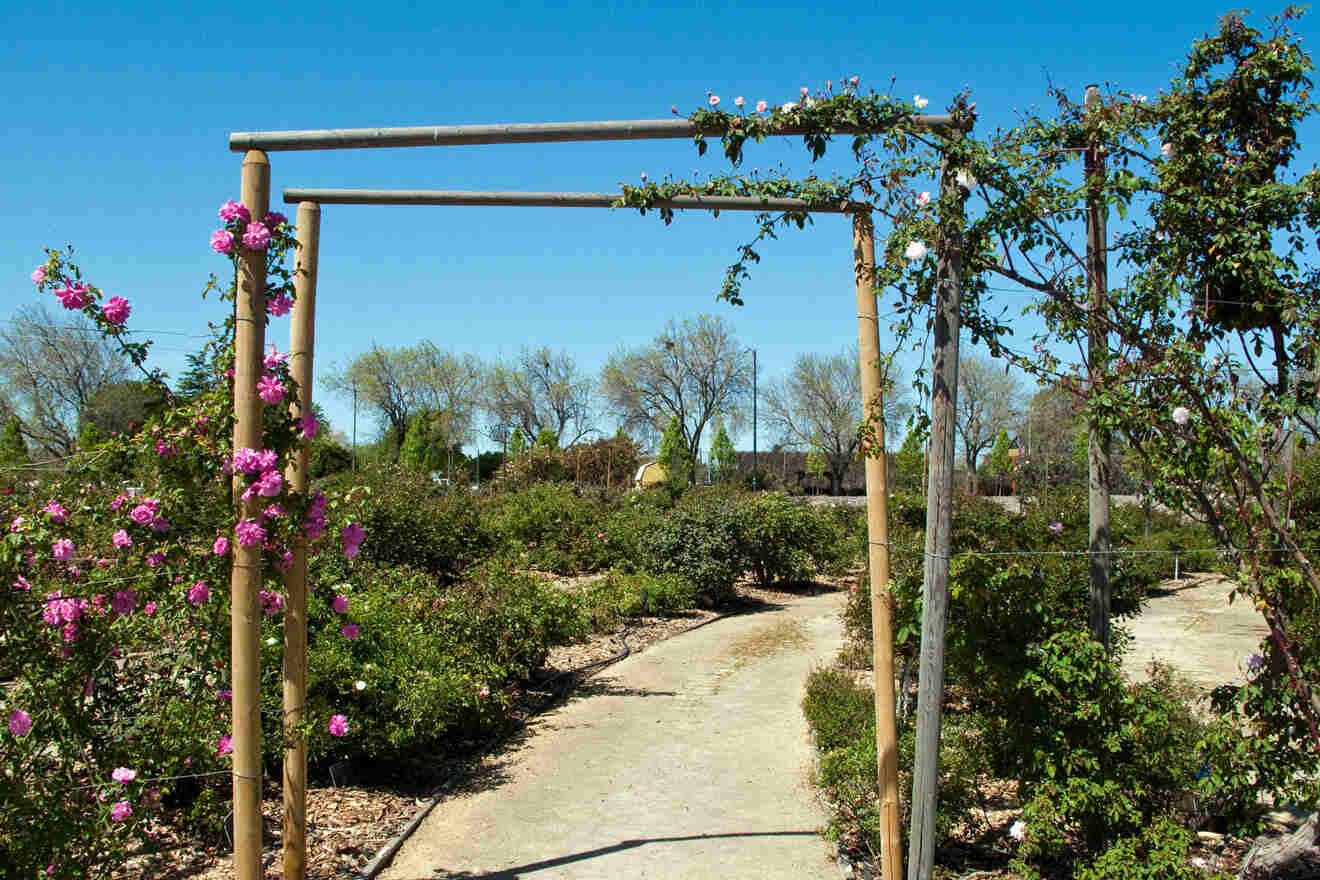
[[877, 528], [939, 530], [1097, 270], [245, 577], [302, 335]]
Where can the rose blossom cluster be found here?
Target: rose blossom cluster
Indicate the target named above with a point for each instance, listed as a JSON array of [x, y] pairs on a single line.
[[74, 295], [263, 464], [253, 235]]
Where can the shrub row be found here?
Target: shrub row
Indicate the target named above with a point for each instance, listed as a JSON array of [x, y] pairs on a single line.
[[708, 537]]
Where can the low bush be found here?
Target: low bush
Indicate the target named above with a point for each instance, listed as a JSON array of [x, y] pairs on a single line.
[[1158, 852], [618, 595], [551, 527], [1097, 759], [413, 521], [700, 540], [841, 715], [785, 541]]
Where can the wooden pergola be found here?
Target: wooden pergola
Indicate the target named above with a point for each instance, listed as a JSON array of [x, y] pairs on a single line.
[[250, 313]]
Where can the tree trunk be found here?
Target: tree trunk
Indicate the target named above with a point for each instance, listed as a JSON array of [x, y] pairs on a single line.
[[1296, 855]]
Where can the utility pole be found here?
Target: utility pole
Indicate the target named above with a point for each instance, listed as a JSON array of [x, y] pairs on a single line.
[[1097, 270]]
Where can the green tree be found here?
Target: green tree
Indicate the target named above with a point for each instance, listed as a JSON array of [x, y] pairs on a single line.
[[675, 457], [1001, 462], [910, 463], [517, 443], [723, 456], [816, 466], [546, 439], [13, 448]]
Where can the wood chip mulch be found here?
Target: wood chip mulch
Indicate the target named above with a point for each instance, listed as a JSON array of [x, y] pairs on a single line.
[[349, 823]]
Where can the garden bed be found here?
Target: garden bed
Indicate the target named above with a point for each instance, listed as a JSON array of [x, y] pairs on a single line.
[[349, 823]]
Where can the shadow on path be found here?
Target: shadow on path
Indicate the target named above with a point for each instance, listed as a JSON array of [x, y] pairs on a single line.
[[522, 870]]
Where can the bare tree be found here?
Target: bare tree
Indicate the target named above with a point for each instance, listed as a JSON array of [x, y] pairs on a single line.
[[988, 400], [541, 390], [398, 383], [52, 370], [691, 372], [818, 405], [450, 386]]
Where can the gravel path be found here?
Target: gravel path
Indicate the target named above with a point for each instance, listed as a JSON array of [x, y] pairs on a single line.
[[687, 761], [1190, 625]]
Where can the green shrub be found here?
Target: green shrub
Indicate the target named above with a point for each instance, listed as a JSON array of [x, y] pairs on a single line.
[[435, 662], [836, 708], [700, 540], [1097, 759], [414, 522], [1158, 852], [550, 526], [786, 541], [841, 715], [620, 595]]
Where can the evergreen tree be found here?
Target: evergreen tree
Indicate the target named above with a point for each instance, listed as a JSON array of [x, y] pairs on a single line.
[[722, 455], [517, 443], [675, 457], [910, 462], [13, 448], [1001, 463], [413, 453]]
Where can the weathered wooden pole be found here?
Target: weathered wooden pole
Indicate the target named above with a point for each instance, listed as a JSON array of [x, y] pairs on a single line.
[[302, 335], [877, 528], [245, 577], [1097, 271], [939, 529]]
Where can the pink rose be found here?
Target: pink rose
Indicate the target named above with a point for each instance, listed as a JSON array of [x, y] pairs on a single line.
[[225, 745], [350, 630], [116, 310], [123, 775], [761, 106], [249, 533], [714, 100], [39, 275], [73, 296], [220, 547], [340, 604], [122, 540], [256, 237], [222, 241], [338, 725], [121, 811], [270, 389], [62, 549], [232, 210], [124, 602], [279, 306], [198, 593], [20, 722], [275, 218]]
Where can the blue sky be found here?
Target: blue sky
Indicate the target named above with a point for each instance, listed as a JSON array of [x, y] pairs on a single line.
[[118, 121]]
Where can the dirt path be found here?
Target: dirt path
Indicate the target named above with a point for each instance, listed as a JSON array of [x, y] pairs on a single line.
[[1190, 625], [687, 761]]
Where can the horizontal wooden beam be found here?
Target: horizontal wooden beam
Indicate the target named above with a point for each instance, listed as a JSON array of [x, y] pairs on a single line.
[[558, 200], [513, 133]]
